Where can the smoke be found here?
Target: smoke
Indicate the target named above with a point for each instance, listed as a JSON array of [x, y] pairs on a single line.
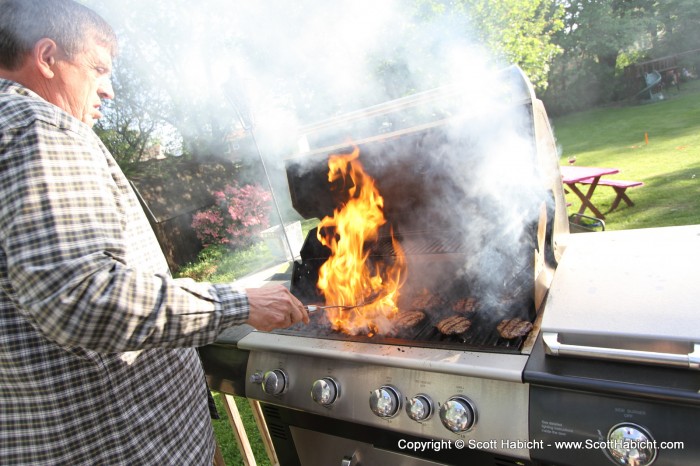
[[291, 61], [277, 65]]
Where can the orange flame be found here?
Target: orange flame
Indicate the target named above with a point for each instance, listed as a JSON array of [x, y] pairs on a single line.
[[348, 277]]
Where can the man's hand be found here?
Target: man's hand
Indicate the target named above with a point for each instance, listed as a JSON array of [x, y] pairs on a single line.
[[274, 307]]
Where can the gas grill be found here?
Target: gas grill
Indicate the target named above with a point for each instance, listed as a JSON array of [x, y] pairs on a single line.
[[418, 396]]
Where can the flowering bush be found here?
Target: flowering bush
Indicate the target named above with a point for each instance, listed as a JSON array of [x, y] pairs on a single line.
[[237, 217]]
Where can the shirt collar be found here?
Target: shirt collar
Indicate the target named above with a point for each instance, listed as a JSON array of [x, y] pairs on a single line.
[[11, 87]]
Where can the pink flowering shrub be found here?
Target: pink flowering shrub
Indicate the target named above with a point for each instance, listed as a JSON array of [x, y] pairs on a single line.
[[237, 217]]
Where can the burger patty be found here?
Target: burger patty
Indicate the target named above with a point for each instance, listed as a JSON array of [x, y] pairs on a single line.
[[453, 325], [408, 319], [424, 300], [465, 305], [514, 328]]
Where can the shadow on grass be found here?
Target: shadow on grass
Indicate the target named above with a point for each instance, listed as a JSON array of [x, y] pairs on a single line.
[[669, 199]]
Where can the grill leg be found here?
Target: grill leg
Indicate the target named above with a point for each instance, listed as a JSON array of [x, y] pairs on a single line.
[[239, 432], [218, 456], [264, 432]]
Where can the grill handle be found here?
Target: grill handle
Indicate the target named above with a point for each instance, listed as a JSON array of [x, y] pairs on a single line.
[[553, 347]]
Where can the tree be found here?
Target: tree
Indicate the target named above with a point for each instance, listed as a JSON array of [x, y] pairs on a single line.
[[128, 128], [595, 33], [310, 59], [165, 90], [601, 37], [515, 31], [675, 26]]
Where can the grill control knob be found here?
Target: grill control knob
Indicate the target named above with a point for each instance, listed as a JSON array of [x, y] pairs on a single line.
[[256, 377], [458, 414], [419, 408], [385, 401], [274, 382], [629, 444], [325, 391]]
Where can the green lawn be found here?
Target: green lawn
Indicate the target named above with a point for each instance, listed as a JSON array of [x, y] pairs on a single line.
[[227, 442], [669, 165]]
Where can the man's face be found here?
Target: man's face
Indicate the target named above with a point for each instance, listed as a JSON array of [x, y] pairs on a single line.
[[80, 84]]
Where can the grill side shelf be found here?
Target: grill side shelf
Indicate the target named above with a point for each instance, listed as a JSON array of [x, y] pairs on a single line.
[[554, 347], [610, 377]]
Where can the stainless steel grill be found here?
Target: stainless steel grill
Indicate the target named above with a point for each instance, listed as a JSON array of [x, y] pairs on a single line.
[[363, 398]]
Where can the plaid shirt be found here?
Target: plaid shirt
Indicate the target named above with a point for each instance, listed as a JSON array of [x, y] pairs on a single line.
[[97, 364]]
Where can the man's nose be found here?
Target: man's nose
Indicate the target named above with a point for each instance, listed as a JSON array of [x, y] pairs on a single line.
[[105, 90]]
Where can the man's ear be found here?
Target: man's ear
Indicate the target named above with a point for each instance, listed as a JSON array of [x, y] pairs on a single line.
[[44, 55]]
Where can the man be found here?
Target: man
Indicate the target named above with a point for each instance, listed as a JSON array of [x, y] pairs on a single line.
[[97, 364]]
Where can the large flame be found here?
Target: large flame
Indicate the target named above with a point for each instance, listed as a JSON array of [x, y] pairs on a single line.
[[349, 277]]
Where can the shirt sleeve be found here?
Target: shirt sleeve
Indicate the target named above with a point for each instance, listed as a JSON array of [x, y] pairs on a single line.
[[79, 252]]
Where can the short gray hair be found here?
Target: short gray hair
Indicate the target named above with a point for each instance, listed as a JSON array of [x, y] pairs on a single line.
[[24, 22]]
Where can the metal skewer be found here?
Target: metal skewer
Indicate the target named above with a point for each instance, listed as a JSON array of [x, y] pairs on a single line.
[[314, 308], [373, 298]]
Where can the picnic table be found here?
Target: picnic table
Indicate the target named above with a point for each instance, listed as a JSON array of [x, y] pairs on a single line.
[[574, 176]]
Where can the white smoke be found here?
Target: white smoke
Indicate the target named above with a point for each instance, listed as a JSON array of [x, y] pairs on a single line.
[[286, 63], [293, 61]]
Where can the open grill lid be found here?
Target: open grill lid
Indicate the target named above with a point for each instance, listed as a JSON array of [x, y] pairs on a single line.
[[407, 136], [406, 145]]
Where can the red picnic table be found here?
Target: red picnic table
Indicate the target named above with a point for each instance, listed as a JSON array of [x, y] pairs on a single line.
[[572, 176]]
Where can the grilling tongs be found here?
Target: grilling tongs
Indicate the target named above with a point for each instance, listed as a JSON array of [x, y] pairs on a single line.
[[311, 308]]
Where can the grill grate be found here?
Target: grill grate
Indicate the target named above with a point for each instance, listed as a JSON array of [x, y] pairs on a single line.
[[418, 243], [423, 249], [481, 335]]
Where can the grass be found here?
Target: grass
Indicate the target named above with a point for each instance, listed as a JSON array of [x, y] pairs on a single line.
[[669, 165], [226, 440], [218, 264]]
